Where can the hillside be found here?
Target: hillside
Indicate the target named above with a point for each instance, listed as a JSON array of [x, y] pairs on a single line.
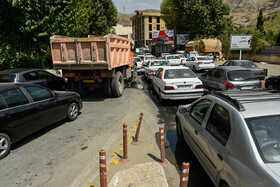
[[124, 19], [245, 12]]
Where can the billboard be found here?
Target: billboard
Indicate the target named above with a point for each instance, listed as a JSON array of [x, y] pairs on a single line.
[[239, 42], [182, 39], [163, 35]]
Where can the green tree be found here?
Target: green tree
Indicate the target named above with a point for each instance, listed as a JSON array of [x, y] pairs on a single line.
[[278, 40], [225, 39], [257, 42], [198, 18], [260, 22]]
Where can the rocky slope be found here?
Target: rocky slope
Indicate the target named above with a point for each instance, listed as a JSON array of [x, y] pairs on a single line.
[[245, 12]]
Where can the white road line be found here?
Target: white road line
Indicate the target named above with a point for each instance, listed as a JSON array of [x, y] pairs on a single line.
[[89, 169]]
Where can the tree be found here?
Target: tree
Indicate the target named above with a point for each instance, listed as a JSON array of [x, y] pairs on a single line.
[[257, 41], [198, 18], [225, 39], [260, 22], [278, 40]]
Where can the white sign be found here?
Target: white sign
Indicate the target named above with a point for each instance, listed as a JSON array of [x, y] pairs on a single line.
[[182, 39], [239, 42]]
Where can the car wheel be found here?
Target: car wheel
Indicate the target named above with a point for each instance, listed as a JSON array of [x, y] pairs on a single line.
[[194, 69], [107, 87], [270, 87], [73, 111], [179, 132], [117, 85], [161, 100], [5, 145]]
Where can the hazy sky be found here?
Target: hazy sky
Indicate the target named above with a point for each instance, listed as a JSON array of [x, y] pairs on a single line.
[[132, 5]]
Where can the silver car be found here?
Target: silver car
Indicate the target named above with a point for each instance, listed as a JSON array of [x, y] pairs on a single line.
[[230, 78], [235, 135]]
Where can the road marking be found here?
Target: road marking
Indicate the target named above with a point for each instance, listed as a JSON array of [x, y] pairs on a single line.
[[90, 169]]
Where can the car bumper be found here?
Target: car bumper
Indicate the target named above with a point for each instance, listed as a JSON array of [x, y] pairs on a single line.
[[205, 66], [181, 95], [140, 70]]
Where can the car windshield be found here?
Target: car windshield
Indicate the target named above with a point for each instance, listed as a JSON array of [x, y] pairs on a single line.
[[178, 74], [7, 77], [138, 59], [159, 63], [247, 64], [203, 58], [173, 57], [150, 57], [181, 56], [241, 75], [266, 133]]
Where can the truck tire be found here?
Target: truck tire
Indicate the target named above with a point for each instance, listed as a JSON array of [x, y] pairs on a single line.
[[71, 84], [107, 87], [82, 89], [117, 85]]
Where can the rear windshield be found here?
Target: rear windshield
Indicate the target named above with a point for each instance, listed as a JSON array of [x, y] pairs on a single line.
[[173, 57], [178, 74], [247, 64], [203, 58], [241, 75], [159, 63], [266, 133], [138, 60], [7, 77]]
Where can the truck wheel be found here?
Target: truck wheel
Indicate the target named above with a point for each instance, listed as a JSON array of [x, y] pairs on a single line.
[[5, 145], [117, 85], [82, 89], [107, 87], [71, 84]]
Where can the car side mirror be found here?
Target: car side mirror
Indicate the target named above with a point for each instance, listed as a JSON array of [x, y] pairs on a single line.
[[183, 110]]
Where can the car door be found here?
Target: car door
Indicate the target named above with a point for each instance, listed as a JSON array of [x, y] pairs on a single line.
[[19, 115], [50, 109], [217, 79], [207, 79], [214, 139], [156, 80], [52, 82], [192, 126], [32, 78]]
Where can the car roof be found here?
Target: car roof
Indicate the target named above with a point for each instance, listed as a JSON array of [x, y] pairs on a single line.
[[241, 61], [19, 70], [229, 68], [252, 103], [174, 67]]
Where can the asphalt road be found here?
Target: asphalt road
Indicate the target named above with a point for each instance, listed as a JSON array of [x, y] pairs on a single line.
[[61, 154]]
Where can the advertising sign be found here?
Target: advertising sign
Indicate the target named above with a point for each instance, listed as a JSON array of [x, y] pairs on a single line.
[[182, 39], [163, 35], [239, 42]]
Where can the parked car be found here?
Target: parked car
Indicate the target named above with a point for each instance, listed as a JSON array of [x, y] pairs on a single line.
[[139, 64], [259, 73], [230, 78], [235, 136], [173, 60], [198, 63], [176, 83], [152, 66], [273, 83], [34, 76], [147, 58], [26, 108]]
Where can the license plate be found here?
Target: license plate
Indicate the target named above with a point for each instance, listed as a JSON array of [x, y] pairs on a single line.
[[88, 81], [184, 86], [246, 87]]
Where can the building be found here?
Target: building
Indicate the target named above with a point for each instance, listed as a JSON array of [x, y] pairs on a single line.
[[121, 30], [143, 23]]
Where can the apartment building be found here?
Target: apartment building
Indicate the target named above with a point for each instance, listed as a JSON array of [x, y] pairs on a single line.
[[143, 23]]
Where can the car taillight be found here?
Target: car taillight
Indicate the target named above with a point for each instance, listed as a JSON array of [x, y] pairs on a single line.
[[181, 61], [142, 64], [199, 87], [2, 73], [168, 88], [153, 71], [200, 62], [228, 84], [261, 73], [213, 62], [260, 84]]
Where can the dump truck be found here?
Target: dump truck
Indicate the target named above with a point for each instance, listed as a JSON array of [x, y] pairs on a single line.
[[205, 47], [94, 62]]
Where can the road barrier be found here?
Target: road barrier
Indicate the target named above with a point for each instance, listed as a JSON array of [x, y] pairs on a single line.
[[125, 149], [185, 174], [103, 168], [136, 142], [163, 162]]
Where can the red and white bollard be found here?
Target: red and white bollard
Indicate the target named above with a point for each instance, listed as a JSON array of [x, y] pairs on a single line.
[[185, 174], [163, 161], [103, 168], [136, 142], [125, 149]]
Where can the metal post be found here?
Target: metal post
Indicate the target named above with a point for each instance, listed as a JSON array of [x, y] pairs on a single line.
[[103, 168], [163, 162], [135, 142], [185, 174], [240, 54], [125, 150]]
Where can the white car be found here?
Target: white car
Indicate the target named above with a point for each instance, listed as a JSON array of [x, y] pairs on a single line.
[[183, 58], [173, 60], [177, 83], [152, 67], [164, 54], [147, 58], [139, 64], [198, 63]]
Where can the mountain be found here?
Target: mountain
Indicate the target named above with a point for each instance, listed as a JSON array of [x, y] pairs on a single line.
[[124, 19], [245, 12]]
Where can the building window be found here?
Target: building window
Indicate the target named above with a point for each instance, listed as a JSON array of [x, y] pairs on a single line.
[[158, 20], [150, 36], [150, 19], [158, 27], [150, 27]]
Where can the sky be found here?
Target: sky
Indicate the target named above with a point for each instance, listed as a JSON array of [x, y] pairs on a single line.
[[129, 6]]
